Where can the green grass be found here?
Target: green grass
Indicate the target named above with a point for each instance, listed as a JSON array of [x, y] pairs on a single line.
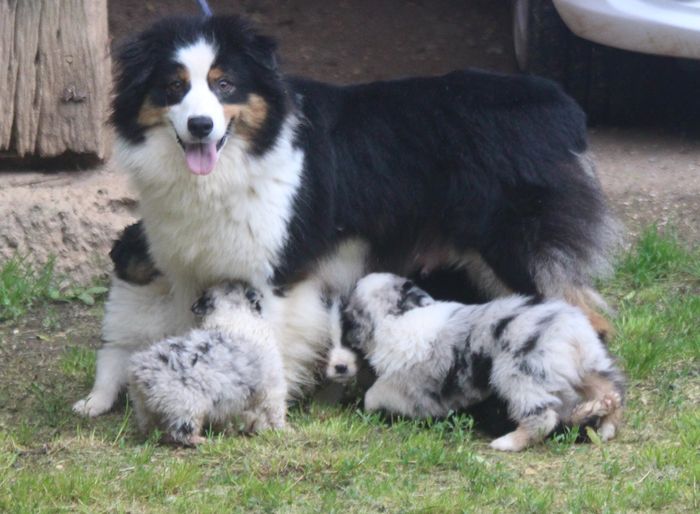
[[656, 290], [24, 285], [336, 459]]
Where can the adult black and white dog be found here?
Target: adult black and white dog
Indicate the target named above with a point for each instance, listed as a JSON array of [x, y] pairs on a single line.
[[244, 173]]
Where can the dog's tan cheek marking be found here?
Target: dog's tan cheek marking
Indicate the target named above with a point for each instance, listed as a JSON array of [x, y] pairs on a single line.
[[215, 74], [151, 115], [183, 74], [232, 111], [252, 116]]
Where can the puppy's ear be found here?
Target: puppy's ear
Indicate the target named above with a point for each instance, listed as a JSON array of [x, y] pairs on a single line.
[[413, 296], [203, 306], [254, 297], [263, 50], [356, 328]]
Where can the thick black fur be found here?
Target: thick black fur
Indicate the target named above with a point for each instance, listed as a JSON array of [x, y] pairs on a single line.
[[130, 257], [475, 160]]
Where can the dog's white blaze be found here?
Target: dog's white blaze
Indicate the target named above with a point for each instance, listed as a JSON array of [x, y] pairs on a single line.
[[199, 100]]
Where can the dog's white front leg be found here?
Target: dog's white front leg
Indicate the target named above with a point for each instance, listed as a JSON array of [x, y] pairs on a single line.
[[110, 378], [135, 316]]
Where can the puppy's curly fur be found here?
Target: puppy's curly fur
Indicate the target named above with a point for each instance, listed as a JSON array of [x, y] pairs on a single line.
[[542, 357], [229, 368]]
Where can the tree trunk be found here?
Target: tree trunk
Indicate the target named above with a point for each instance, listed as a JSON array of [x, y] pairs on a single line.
[[54, 78]]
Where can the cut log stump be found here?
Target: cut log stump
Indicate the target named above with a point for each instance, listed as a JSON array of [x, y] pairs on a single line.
[[54, 78]]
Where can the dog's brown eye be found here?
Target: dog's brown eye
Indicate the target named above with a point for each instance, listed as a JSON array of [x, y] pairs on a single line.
[[175, 86], [225, 86]]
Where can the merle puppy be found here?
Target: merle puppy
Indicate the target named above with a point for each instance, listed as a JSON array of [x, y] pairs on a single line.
[[228, 368], [542, 357]]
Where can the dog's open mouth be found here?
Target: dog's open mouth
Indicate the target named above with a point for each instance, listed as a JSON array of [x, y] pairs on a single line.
[[201, 157]]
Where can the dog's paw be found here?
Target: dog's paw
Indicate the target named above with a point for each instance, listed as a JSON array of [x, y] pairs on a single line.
[[196, 440], [92, 406]]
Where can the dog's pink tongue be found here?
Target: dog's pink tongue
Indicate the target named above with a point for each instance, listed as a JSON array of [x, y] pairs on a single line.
[[201, 157]]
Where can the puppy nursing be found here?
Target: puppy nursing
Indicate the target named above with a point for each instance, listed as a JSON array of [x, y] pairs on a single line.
[[230, 368], [543, 358]]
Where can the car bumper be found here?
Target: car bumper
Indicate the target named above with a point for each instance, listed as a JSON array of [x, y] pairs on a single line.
[[661, 27]]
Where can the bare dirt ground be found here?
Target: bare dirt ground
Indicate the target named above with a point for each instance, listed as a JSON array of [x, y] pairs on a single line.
[[651, 174]]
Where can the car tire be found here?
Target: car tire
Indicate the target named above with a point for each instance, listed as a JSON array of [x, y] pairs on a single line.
[[598, 77]]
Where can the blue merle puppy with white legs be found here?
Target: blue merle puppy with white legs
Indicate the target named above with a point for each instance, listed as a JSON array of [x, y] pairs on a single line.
[[229, 369], [542, 357]]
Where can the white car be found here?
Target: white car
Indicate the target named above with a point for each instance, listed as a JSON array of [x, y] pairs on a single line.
[[586, 44]]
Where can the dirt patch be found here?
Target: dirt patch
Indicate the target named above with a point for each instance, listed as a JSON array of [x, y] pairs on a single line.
[[39, 356], [651, 176], [71, 215]]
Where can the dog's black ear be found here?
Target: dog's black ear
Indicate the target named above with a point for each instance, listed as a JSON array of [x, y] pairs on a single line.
[[203, 306], [254, 297], [263, 50], [135, 63]]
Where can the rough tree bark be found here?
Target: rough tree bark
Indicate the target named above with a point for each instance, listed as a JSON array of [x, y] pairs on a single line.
[[54, 77]]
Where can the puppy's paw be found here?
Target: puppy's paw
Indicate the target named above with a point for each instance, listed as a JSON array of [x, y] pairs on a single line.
[[93, 405], [587, 411], [196, 440], [507, 443], [607, 431]]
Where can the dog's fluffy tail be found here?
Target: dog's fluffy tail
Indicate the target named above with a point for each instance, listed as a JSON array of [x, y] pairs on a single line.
[[583, 241]]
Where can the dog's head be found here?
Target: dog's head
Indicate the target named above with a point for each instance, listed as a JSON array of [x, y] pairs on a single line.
[[217, 303], [204, 80]]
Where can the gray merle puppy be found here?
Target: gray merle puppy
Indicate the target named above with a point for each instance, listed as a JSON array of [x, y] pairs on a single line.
[[229, 368], [543, 358]]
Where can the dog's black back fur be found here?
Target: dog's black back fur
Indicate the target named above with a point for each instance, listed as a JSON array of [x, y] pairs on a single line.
[[471, 161]]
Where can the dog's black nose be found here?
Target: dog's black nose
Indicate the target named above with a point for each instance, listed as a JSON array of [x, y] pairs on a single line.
[[200, 126], [341, 368]]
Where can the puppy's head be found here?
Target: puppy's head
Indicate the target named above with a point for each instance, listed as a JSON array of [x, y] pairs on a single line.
[[375, 297], [218, 302], [385, 294], [342, 362], [201, 81]]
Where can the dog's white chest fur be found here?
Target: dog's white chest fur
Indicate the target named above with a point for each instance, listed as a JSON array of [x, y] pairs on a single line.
[[230, 224]]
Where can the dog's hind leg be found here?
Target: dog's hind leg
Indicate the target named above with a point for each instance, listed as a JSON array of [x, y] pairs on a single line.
[[603, 405], [531, 429], [594, 307]]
